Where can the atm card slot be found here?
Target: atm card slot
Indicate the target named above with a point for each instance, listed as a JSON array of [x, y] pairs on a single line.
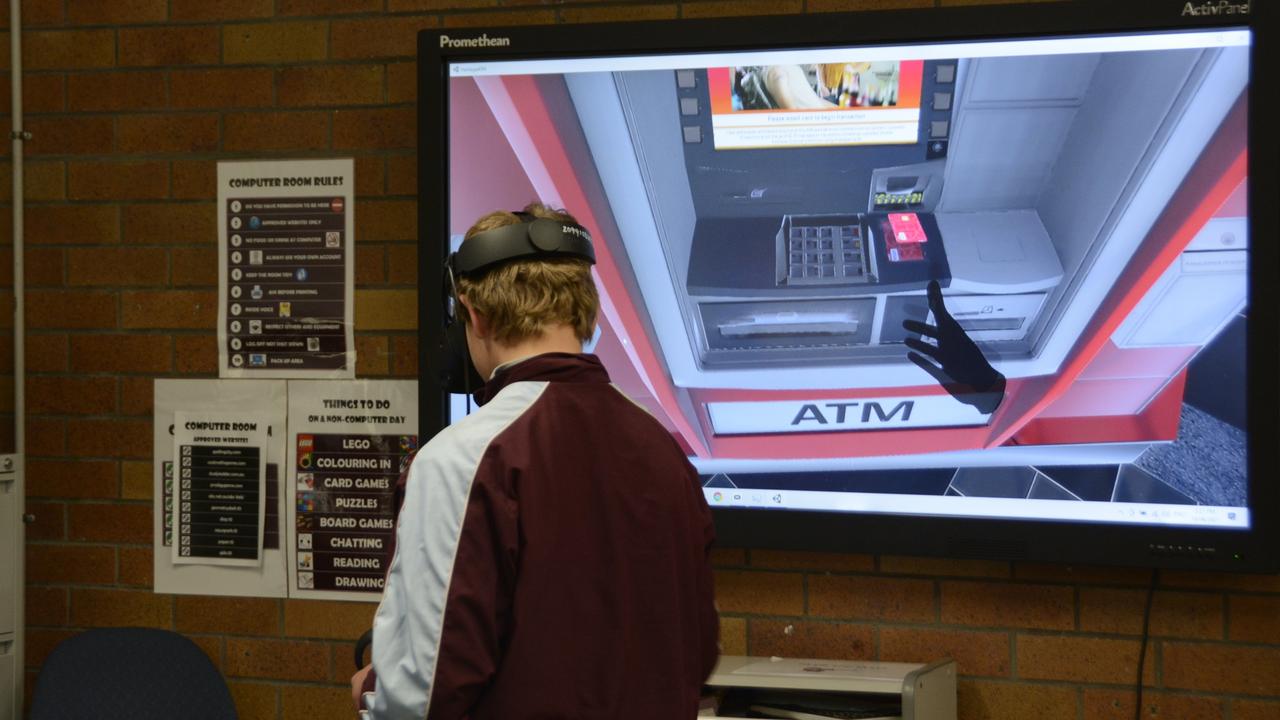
[[981, 324]]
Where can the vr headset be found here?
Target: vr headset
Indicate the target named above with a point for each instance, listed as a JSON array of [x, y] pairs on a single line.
[[531, 238]]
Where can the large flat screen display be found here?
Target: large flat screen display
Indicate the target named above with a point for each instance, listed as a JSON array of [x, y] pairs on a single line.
[[769, 224]]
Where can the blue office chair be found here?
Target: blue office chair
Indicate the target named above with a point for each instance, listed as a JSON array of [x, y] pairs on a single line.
[[130, 674]]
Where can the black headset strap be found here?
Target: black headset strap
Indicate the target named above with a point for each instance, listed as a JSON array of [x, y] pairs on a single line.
[[514, 241]]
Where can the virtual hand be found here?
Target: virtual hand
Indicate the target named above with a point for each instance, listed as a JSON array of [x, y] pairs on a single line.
[[955, 362]]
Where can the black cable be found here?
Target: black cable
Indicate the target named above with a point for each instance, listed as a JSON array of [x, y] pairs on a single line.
[[1142, 649]]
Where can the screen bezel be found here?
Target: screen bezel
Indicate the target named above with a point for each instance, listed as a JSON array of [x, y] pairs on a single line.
[[1040, 540]]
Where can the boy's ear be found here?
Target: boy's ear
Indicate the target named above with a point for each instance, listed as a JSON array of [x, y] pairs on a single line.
[[479, 323]]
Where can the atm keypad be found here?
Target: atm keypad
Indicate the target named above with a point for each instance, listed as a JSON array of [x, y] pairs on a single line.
[[825, 254]]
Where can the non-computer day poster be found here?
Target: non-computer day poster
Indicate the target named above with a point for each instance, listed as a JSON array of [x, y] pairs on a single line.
[[242, 401], [286, 269], [348, 444]]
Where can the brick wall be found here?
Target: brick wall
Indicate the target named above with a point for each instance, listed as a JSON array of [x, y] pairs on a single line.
[[131, 103]]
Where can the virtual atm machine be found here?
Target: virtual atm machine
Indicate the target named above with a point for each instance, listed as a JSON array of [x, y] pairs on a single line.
[[1029, 186]]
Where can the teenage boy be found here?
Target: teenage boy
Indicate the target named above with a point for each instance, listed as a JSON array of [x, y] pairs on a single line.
[[552, 550]]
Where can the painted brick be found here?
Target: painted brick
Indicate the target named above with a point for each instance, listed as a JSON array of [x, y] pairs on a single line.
[[404, 356], [1254, 618], [370, 176], [67, 49], [340, 661], [170, 223], [194, 179], [42, 267], [255, 699], [402, 175], [72, 224], [1173, 614], [500, 19], [40, 94], [733, 636], [1254, 710], [168, 46], [721, 8], [46, 606], [63, 309], [378, 37], [326, 7], [38, 13], [50, 520], [305, 702], [81, 564], [211, 646], [371, 265], [46, 437], [39, 643], [150, 134], [117, 180], [136, 566], [116, 12], [1008, 605], [331, 620], [1082, 659], [196, 355], [1099, 704], [227, 615], [109, 438], [1220, 581], [872, 598], [402, 82], [372, 357], [382, 128], [276, 131], [330, 86], [278, 660], [619, 13], [135, 480], [798, 560], [387, 220], [277, 42], [116, 266], [386, 309], [194, 267], [72, 478], [120, 608], [169, 309], [110, 523], [402, 261], [1014, 701], [69, 135], [975, 653], [62, 395], [1246, 670], [901, 565], [419, 5], [827, 641], [759, 593], [45, 181], [125, 90], [197, 10], [222, 88]]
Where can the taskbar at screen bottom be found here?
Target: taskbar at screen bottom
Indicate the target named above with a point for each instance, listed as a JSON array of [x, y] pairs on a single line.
[[1128, 513]]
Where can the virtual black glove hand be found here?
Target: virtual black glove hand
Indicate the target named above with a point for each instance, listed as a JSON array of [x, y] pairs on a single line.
[[957, 363]]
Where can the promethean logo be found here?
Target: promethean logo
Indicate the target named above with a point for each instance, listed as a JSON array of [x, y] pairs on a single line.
[[1222, 7], [482, 41]]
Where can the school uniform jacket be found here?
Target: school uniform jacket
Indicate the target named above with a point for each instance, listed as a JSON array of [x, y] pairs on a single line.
[[551, 561]]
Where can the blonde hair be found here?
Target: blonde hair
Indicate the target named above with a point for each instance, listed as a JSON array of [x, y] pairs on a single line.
[[522, 298]]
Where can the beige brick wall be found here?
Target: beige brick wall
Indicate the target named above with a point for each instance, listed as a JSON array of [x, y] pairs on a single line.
[[132, 102]]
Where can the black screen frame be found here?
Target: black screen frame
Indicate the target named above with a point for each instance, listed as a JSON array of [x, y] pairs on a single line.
[[1040, 540]]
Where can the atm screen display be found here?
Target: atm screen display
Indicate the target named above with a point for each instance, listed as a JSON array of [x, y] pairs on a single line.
[[982, 279]]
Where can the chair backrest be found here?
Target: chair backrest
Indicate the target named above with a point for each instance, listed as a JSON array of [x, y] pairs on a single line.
[[133, 674]]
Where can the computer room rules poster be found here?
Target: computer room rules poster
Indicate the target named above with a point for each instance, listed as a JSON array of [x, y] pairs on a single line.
[[286, 268], [348, 442]]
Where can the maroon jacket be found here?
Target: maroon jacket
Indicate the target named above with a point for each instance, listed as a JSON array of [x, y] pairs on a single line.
[[551, 562]]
